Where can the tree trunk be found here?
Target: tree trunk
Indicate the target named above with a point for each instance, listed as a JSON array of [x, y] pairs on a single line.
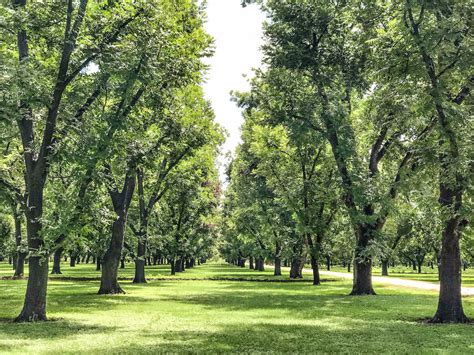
[[98, 264], [277, 271], [172, 265], [362, 284], [122, 263], [450, 309], [295, 270], [261, 263], [57, 261], [328, 263], [20, 256], [315, 267], [72, 262], [34, 307], [110, 264], [384, 267], [251, 266]]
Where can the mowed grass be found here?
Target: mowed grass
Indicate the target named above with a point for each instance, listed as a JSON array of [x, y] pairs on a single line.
[[211, 271], [184, 316]]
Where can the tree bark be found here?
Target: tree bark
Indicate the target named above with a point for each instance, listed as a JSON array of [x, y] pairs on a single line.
[[295, 270], [450, 309], [34, 307], [315, 267], [20, 256], [251, 266], [57, 261], [362, 284], [384, 267], [277, 271], [110, 264], [140, 262]]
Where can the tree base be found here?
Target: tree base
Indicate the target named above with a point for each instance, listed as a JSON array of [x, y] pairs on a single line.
[[30, 317], [139, 281], [111, 291], [449, 319], [356, 292], [56, 272]]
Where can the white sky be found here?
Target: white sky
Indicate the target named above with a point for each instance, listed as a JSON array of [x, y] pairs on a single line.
[[238, 37]]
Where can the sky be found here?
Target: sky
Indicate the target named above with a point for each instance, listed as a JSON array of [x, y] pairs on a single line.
[[237, 32]]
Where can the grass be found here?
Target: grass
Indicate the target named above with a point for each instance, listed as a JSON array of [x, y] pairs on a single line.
[[228, 316]]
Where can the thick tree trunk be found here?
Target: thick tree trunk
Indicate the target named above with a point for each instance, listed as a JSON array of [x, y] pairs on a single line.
[[450, 309], [57, 261], [110, 264], [277, 271], [72, 262], [362, 284], [384, 267], [295, 270], [34, 307], [261, 263]]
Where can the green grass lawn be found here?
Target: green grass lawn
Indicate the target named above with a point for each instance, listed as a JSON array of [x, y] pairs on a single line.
[[183, 316]]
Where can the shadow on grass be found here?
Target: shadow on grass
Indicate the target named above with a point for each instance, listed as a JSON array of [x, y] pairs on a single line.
[[346, 337]]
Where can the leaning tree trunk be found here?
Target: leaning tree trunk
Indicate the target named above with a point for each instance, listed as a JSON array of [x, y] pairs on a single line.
[[110, 263], [57, 261], [34, 307], [362, 284]]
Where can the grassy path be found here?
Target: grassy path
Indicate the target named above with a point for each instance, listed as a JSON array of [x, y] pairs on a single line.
[[421, 285]]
